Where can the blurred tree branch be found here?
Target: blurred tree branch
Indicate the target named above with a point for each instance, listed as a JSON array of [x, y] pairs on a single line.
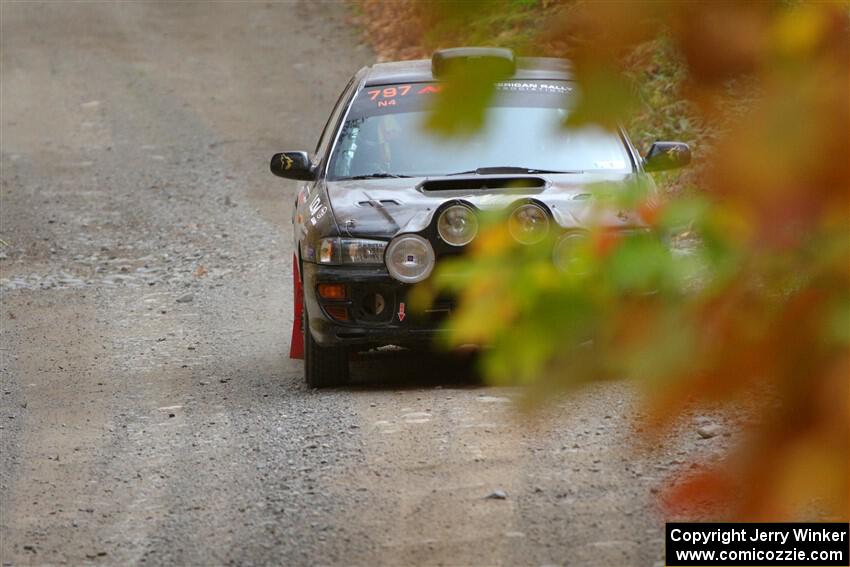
[[760, 311]]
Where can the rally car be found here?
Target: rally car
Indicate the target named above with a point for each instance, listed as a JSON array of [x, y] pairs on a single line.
[[381, 199]]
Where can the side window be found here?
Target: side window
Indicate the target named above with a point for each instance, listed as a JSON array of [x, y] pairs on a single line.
[[339, 108], [347, 148]]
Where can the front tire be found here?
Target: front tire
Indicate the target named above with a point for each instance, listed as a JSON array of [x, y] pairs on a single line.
[[324, 367]]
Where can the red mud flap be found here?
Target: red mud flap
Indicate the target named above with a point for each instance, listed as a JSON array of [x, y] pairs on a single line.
[[296, 345]]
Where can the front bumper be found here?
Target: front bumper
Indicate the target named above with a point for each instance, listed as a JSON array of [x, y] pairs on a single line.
[[394, 324]]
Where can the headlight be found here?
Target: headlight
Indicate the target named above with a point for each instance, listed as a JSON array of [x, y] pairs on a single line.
[[410, 258], [567, 253], [529, 223], [351, 251], [457, 225]]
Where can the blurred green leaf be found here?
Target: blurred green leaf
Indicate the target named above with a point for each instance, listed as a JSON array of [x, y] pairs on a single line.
[[460, 108]]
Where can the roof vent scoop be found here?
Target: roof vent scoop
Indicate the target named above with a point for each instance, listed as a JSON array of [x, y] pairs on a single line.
[[500, 59]]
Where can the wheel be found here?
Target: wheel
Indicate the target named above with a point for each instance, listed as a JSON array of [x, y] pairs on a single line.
[[323, 366]]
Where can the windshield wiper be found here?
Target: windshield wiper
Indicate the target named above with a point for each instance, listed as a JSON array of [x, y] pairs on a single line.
[[508, 169], [377, 176]]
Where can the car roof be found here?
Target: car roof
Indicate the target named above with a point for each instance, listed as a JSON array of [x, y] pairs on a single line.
[[419, 71]]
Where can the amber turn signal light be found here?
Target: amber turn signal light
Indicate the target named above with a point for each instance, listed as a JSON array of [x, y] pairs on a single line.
[[338, 313], [332, 291]]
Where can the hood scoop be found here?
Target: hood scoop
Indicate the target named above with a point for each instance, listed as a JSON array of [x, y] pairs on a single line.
[[479, 183]]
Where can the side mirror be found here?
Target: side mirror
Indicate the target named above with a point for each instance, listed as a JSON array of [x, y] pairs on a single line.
[[667, 155], [292, 165]]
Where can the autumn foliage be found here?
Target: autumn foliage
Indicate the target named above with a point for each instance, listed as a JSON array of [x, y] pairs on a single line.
[[755, 310]]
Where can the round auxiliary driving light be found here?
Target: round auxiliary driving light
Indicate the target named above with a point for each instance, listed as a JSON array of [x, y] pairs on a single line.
[[529, 223], [567, 253], [457, 225], [410, 258]]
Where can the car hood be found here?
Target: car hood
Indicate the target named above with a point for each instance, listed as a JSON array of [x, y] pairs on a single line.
[[386, 207]]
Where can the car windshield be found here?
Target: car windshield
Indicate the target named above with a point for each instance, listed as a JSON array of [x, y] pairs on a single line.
[[384, 136]]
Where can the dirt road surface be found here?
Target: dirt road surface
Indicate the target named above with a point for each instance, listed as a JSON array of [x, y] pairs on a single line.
[[149, 413]]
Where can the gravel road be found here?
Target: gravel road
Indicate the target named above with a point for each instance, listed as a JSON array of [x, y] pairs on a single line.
[[149, 413]]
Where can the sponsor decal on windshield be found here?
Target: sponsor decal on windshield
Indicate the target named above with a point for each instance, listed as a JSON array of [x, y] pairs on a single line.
[[412, 97], [387, 95], [533, 87]]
